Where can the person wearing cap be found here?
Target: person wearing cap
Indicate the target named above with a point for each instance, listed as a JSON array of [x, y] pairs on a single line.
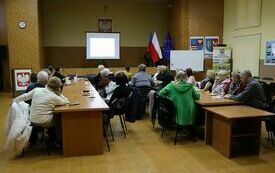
[[44, 101]]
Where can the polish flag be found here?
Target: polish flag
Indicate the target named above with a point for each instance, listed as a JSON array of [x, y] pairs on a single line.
[[154, 48]]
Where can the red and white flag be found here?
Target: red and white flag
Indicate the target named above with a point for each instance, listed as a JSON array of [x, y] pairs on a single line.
[[154, 48]]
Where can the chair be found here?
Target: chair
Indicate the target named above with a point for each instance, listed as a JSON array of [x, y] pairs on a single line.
[[270, 124], [118, 107], [144, 90], [166, 113], [267, 91], [106, 125], [166, 117], [45, 137]]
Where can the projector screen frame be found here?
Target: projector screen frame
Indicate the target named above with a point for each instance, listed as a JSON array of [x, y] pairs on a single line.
[[101, 33]]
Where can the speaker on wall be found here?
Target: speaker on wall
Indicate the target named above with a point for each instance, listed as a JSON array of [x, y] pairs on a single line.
[[3, 51]]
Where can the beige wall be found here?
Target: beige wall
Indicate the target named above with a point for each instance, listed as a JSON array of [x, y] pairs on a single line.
[[266, 29], [66, 21]]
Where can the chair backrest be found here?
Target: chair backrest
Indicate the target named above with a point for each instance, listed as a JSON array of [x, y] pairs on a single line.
[[144, 90], [166, 112], [120, 105], [267, 91]]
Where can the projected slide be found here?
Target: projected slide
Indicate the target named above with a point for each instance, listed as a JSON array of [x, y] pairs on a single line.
[[102, 45]]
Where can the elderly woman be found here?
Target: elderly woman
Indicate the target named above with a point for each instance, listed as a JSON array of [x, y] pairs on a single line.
[[44, 101], [236, 85], [183, 95], [207, 83], [221, 84]]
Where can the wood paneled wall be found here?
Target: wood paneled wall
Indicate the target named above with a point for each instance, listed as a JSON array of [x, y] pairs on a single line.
[[178, 23], [24, 44], [205, 18], [195, 18], [75, 57]]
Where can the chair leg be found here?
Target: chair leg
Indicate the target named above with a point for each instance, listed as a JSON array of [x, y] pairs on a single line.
[[112, 132], [106, 138], [121, 122], [123, 116], [176, 137], [163, 131]]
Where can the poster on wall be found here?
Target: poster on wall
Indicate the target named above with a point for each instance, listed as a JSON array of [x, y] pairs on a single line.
[[222, 58], [269, 52], [196, 43], [210, 42], [105, 25], [22, 79]]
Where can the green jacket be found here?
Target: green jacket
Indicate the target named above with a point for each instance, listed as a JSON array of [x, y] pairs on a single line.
[[183, 95]]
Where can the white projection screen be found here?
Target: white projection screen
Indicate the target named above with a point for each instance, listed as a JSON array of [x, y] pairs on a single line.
[[102, 45]]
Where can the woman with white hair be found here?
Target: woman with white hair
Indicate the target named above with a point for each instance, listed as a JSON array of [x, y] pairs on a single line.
[[183, 95], [221, 84]]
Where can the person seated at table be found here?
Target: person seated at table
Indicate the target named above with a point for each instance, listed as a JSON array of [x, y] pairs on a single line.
[[222, 83], [157, 72], [183, 95], [42, 79], [58, 73], [111, 87], [253, 93], [98, 76], [122, 89], [236, 85], [164, 76], [128, 73], [104, 80], [44, 100], [207, 83], [141, 78], [191, 79], [50, 70]]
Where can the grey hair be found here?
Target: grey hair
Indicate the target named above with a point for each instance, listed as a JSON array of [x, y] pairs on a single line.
[[235, 73], [42, 77], [141, 67], [181, 76], [100, 67], [246, 73], [54, 83], [105, 72]]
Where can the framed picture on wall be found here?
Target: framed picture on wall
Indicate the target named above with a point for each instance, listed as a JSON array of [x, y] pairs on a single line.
[[105, 25], [21, 79]]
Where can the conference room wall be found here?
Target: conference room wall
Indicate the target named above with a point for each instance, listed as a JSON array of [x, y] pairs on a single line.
[[266, 29], [195, 18], [66, 21]]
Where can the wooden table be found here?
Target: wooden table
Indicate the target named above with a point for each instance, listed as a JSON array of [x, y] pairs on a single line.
[[234, 130], [82, 129], [207, 100]]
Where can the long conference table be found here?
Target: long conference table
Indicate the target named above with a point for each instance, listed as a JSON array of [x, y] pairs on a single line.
[[82, 130], [231, 128]]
